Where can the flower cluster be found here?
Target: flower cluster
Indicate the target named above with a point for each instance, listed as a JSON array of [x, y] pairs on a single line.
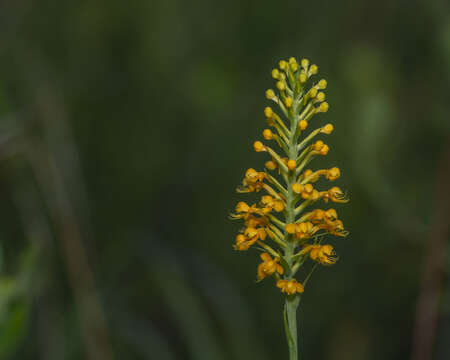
[[281, 223]]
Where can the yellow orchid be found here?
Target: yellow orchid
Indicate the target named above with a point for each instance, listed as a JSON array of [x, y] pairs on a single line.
[[279, 224], [269, 266]]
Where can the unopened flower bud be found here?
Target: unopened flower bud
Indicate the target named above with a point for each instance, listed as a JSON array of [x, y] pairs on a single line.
[[324, 150], [320, 96], [258, 146], [271, 165], [303, 78], [333, 173], [312, 93], [267, 134], [270, 94], [291, 164], [268, 112], [307, 173], [322, 84], [313, 69], [275, 74], [327, 129], [283, 65], [303, 124], [281, 86], [288, 102], [318, 145], [323, 107], [297, 188], [290, 228]]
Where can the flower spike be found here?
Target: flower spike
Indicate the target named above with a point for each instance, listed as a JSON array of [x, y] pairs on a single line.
[[281, 223]]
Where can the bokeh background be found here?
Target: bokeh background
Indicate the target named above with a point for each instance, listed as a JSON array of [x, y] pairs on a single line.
[[124, 130]]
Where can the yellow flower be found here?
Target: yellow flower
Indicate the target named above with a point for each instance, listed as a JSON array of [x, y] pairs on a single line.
[[269, 203], [256, 222], [305, 230], [252, 176], [301, 230], [335, 194], [290, 287], [243, 211], [253, 181], [327, 220], [323, 254], [333, 173], [249, 237], [252, 233], [309, 192], [331, 215], [269, 266]]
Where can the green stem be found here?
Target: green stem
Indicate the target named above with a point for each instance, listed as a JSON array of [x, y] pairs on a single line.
[[290, 324], [292, 301]]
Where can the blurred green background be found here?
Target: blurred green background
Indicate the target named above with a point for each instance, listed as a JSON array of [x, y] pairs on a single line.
[[124, 130]]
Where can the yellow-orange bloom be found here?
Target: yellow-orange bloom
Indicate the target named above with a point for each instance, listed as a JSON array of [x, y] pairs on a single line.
[[335, 194], [290, 287], [248, 238], [333, 173], [309, 193], [268, 203], [301, 230], [256, 221], [253, 181], [269, 266], [323, 254]]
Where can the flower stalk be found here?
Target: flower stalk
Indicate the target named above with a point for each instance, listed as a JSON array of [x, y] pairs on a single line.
[[280, 216]]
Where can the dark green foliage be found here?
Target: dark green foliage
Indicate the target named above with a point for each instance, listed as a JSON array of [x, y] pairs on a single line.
[[148, 111]]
